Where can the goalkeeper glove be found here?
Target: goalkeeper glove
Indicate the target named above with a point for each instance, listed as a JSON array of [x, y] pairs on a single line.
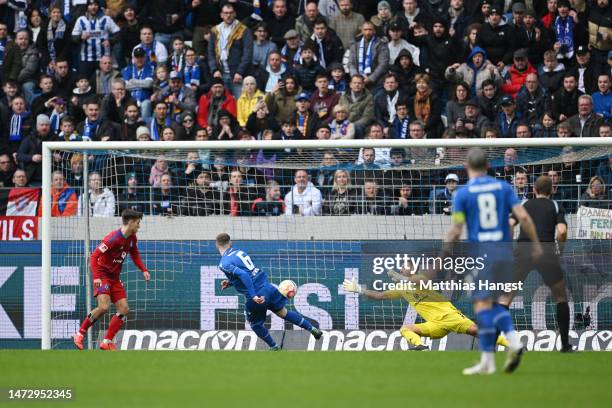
[[351, 285]]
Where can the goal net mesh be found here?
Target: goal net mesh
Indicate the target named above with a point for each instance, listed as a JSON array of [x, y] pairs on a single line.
[[316, 216]]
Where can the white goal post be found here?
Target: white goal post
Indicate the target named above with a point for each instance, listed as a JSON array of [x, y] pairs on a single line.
[[49, 147]]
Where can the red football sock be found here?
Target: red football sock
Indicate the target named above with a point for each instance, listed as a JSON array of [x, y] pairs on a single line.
[[114, 326], [87, 323]]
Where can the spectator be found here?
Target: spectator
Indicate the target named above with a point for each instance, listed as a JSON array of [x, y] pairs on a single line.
[[397, 44], [412, 15], [281, 101], [95, 127], [399, 127], [64, 199], [604, 170], [217, 99], [552, 73], [323, 99], [292, 50], [270, 205], [101, 199], [270, 77], [456, 106], [373, 200], [279, 22], [474, 72], [95, 32], [328, 46], [116, 102], [188, 127], [441, 50], [341, 127], [564, 102], [516, 75], [441, 200], [360, 104], [176, 60], [238, 195], [201, 199], [595, 195], [156, 52], [471, 120], [564, 130], [425, 107], [104, 76], [497, 39], [585, 123], [599, 28], [248, 100], [531, 100], [132, 196], [304, 198], [227, 127], [558, 194], [563, 26], [20, 179], [165, 198], [56, 38], [41, 104], [22, 63], [342, 198], [74, 177], [347, 23], [546, 127], [304, 23], [369, 56], [508, 118], [383, 19], [205, 14], [230, 50], [604, 131], [160, 168], [404, 202], [196, 74], [260, 120], [521, 184], [178, 97], [585, 71], [29, 155], [139, 81], [304, 119], [523, 130], [18, 126], [7, 169], [489, 100], [309, 68], [262, 46], [384, 103], [602, 99], [129, 36], [530, 36]]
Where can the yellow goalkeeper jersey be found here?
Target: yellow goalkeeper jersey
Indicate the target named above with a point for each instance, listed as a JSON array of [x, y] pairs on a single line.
[[429, 304]]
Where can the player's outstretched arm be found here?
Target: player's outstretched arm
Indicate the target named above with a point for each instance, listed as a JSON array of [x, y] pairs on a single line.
[[529, 228], [354, 287]]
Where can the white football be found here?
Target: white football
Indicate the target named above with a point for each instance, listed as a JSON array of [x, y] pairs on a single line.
[[287, 288]]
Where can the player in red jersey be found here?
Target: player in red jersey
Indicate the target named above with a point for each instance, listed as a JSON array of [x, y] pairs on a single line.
[[106, 263]]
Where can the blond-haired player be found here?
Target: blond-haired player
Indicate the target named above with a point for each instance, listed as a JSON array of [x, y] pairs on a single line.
[[440, 315]]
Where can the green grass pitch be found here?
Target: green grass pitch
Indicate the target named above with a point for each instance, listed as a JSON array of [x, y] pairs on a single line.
[[307, 379]]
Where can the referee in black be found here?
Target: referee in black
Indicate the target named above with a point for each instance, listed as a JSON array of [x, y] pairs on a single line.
[[549, 219]]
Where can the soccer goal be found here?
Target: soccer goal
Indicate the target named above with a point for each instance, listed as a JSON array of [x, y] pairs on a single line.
[[315, 212]]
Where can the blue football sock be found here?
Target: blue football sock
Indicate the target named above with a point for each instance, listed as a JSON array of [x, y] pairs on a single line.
[[263, 333], [298, 320], [501, 318], [487, 334]]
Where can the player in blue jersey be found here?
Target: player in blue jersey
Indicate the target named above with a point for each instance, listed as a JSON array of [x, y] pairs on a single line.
[[485, 204], [260, 294]]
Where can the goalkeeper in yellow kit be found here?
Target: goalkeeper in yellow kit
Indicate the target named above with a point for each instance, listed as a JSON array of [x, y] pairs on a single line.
[[440, 315]]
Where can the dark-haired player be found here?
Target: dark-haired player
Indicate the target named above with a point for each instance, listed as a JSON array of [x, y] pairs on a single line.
[[260, 294], [106, 263], [549, 219], [484, 204]]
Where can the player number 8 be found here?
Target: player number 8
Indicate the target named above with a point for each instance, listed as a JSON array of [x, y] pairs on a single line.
[[488, 210]]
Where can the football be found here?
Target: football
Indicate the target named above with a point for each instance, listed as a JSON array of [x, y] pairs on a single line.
[[287, 288]]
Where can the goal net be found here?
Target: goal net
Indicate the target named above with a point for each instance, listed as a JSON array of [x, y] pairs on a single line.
[[315, 212]]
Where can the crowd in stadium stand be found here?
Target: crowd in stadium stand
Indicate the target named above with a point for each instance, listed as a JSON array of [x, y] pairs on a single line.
[[164, 70]]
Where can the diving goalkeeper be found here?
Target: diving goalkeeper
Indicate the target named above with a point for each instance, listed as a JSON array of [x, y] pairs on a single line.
[[440, 315]]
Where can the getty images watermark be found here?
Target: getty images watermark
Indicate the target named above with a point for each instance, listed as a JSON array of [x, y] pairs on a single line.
[[410, 266]]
